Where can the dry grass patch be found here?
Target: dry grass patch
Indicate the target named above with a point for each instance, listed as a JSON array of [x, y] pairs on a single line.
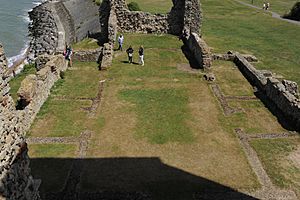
[[213, 153], [255, 118], [66, 117], [231, 80], [275, 156]]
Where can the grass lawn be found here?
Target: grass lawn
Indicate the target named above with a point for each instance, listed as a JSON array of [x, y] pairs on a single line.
[[86, 44], [160, 129], [62, 114], [157, 115], [229, 25], [279, 6], [231, 80], [279, 157], [154, 6], [159, 111]]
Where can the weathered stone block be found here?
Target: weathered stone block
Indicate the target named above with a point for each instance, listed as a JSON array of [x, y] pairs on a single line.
[[28, 89]]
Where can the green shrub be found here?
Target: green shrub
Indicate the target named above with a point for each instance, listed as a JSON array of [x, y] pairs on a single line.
[[98, 2], [294, 13], [133, 6]]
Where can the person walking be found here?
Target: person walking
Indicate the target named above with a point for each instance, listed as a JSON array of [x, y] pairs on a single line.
[[267, 6], [130, 54], [141, 56], [264, 6], [68, 54], [121, 41]]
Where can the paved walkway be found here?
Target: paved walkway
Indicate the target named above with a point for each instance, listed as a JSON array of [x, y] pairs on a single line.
[[274, 14]]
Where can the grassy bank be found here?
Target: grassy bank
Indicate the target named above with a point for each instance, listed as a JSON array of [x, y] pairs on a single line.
[[229, 25]]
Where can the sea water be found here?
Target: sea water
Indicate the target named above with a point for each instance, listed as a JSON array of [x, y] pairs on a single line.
[[14, 22]]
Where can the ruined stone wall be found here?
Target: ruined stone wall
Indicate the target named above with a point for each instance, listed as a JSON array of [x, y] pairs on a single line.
[[199, 50], [279, 93], [87, 55], [56, 23], [67, 22], [84, 15], [15, 179], [184, 13], [108, 20], [43, 31]]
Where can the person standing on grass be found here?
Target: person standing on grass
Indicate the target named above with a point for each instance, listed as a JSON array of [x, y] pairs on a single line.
[[130, 53], [141, 55], [68, 54], [121, 41], [268, 6], [264, 6]]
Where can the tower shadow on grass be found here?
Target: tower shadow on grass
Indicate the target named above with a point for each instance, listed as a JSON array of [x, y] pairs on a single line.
[[123, 179]]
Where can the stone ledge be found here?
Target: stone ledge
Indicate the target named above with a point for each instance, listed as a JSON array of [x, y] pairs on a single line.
[[278, 93]]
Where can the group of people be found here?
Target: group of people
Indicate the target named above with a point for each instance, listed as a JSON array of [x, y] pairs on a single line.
[[266, 6], [130, 51]]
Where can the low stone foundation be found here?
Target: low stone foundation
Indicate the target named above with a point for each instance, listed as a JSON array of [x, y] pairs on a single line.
[[278, 93]]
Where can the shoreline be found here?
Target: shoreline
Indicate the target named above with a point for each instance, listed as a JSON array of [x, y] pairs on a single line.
[[17, 62]]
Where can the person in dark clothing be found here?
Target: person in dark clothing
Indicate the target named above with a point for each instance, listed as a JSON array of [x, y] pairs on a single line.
[[68, 53], [141, 55], [130, 54]]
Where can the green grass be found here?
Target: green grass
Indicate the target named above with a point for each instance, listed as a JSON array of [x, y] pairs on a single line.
[[274, 156], [148, 41], [279, 6], [154, 6], [162, 114], [59, 118], [75, 85], [86, 44], [228, 25], [97, 2], [51, 150], [15, 83]]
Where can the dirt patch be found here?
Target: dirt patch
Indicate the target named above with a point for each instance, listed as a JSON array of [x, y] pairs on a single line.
[[295, 157], [187, 68]]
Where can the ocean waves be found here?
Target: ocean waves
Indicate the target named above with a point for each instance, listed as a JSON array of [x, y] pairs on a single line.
[[14, 27]]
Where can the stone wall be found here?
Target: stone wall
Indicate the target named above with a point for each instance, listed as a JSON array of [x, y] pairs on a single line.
[[279, 93], [67, 22], [87, 55], [184, 13], [43, 31], [15, 179], [56, 23], [85, 18], [199, 50]]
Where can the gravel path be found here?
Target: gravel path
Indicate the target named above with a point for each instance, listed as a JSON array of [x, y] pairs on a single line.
[[223, 101], [274, 14]]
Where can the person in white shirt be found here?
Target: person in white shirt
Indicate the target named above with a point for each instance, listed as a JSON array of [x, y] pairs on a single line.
[[121, 41]]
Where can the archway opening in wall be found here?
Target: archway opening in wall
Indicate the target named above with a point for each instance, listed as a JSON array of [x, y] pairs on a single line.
[[151, 5]]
